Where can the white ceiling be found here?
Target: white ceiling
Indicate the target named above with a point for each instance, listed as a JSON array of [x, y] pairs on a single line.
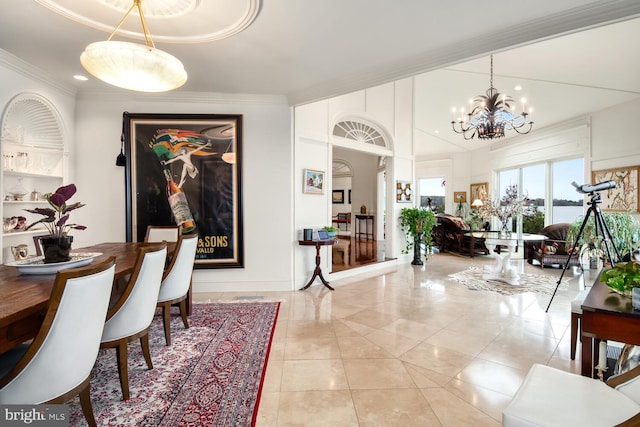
[[312, 50], [561, 78]]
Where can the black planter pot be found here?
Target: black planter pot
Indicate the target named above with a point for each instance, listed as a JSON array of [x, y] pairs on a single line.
[[56, 249], [417, 252]]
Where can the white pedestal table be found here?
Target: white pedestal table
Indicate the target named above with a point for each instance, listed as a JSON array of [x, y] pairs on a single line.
[[502, 269]]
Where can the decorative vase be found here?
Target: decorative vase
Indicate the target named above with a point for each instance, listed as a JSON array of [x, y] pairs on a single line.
[[56, 249], [417, 253], [504, 228]]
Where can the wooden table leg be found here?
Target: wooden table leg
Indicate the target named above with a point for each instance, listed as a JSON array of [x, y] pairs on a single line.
[[587, 356], [317, 272]]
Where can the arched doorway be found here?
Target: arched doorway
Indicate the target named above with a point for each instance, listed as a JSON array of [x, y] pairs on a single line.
[[360, 148]]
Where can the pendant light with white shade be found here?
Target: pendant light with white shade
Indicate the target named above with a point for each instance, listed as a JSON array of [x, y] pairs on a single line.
[[134, 66]]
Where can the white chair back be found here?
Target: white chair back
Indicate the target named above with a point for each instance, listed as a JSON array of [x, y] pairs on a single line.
[[138, 307], [159, 233], [63, 353], [178, 277]]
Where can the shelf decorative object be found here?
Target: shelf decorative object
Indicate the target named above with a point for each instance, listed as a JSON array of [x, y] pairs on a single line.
[[57, 245], [32, 138]]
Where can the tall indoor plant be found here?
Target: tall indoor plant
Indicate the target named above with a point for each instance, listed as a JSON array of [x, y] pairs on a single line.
[[57, 244], [624, 228], [417, 223]]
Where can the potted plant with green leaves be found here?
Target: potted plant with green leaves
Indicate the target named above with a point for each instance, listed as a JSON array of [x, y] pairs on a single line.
[[624, 229], [417, 223], [622, 278], [331, 231], [57, 245]]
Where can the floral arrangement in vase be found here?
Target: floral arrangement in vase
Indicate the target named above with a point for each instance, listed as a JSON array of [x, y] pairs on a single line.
[[57, 244], [504, 209]]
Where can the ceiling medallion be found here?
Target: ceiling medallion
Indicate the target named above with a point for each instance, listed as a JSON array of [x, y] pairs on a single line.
[[155, 8], [172, 21]]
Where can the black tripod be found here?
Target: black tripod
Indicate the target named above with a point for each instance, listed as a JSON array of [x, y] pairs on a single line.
[[599, 224]]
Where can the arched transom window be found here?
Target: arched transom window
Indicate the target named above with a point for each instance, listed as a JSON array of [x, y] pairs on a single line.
[[359, 132]]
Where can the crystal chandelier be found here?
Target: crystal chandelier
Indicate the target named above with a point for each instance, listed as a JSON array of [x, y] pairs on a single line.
[[134, 66], [489, 116]]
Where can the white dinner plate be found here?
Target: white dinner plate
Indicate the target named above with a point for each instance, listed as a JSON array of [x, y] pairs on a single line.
[[36, 265]]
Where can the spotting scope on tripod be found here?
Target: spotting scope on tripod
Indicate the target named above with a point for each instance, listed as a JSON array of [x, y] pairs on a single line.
[[600, 226]]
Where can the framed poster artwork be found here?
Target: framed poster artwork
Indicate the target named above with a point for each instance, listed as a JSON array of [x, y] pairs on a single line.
[[624, 197], [479, 191], [186, 169], [460, 196], [337, 197], [349, 196], [313, 182], [404, 192]]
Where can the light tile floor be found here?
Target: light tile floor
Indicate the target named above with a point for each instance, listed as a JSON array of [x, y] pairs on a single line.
[[408, 348]]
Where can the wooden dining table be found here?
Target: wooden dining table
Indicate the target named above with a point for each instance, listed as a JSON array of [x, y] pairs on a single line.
[[24, 297]]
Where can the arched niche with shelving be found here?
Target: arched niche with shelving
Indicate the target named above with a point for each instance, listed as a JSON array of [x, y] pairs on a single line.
[[32, 138]]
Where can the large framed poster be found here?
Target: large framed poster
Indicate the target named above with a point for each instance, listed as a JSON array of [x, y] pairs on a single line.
[[186, 169]]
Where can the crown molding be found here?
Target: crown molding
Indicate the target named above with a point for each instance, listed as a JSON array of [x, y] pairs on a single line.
[[570, 21], [185, 97], [23, 68]]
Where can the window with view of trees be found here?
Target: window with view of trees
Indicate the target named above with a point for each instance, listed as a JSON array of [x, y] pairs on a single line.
[[432, 193], [548, 204]]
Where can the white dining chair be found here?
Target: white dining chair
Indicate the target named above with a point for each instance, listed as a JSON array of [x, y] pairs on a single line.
[[552, 397], [131, 316], [159, 233], [177, 282], [57, 365]]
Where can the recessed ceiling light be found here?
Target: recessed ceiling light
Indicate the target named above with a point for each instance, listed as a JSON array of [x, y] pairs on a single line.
[[517, 87], [80, 77]]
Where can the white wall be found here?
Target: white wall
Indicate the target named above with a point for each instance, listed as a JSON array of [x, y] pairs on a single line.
[[266, 179], [614, 140]]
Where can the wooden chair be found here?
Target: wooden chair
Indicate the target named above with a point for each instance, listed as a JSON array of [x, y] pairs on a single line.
[[554, 250], [159, 233], [131, 316], [176, 283], [57, 365]]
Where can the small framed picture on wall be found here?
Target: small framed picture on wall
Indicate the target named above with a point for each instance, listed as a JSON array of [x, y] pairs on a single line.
[[337, 197], [404, 192], [313, 182]]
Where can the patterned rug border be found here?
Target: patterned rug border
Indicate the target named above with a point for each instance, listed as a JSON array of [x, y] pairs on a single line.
[[537, 283], [212, 374], [241, 301]]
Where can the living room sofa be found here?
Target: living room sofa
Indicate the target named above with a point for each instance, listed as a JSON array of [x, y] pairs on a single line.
[[450, 236]]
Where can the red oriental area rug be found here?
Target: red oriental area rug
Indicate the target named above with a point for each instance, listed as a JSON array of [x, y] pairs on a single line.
[[211, 375]]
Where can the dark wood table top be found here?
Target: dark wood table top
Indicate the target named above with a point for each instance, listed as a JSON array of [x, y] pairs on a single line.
[[317, 242], [602, 299], [23, 295]]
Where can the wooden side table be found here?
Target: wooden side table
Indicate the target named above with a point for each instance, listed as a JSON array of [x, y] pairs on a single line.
[[317, 272], [369, 225]]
